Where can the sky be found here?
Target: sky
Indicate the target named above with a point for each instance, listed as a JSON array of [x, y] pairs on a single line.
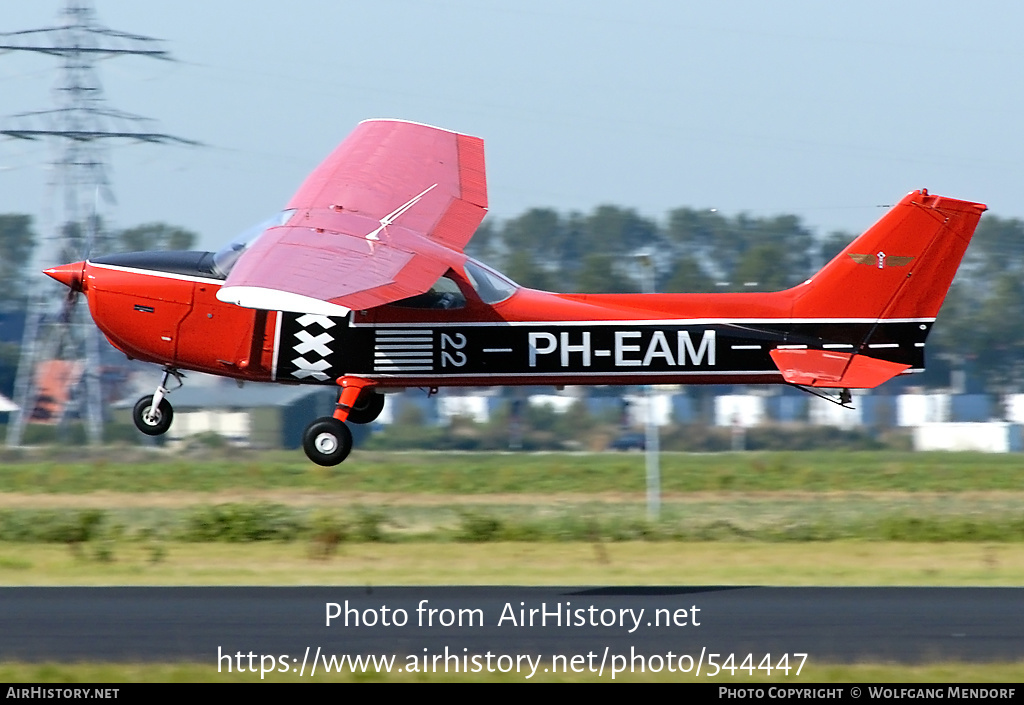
[[824, 110]]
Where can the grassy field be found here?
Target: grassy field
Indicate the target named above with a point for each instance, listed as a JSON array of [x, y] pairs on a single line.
[[134, 469], [238, 495], [96, 512], [519, 563], [811, 673]]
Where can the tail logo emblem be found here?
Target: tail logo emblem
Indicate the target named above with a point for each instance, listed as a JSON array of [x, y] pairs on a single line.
[[882, 260]]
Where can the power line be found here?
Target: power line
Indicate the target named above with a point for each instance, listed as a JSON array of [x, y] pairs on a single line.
[[59, 370]]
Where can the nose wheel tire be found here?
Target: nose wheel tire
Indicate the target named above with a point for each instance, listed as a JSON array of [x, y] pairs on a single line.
[[367, 408], [152, 422], [327, 441]]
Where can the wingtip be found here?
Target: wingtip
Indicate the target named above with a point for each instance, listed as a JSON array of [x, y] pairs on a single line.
[[418, 124]]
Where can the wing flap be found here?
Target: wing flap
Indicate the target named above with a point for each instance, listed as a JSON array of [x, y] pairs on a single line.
[[826, 368]]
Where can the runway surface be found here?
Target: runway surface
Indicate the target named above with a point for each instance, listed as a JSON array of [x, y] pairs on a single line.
[[907, 625]]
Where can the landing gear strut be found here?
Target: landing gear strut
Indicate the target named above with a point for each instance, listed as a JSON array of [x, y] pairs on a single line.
[[153, 414], [327, 441]]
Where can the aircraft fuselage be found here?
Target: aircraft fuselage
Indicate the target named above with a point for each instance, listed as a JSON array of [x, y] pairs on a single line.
[[162, 308]]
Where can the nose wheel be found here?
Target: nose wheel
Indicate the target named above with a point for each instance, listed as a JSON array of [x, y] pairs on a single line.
[[153, 414], [327, 441], [153, 420]]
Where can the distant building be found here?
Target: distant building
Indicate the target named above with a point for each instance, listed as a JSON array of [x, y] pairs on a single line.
[[743, 410], [477, 407], [917, 409], [992, 437]]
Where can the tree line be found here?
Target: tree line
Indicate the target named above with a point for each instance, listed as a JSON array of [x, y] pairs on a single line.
[[605, 251]]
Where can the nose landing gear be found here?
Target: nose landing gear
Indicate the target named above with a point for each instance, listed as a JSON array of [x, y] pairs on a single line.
[[153, 414], [153, 419]]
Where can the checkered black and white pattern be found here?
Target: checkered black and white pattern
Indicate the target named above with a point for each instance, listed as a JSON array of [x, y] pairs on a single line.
[[311, 344]]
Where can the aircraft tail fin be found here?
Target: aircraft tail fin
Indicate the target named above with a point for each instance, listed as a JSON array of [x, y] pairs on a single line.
[[876, 300], [900, 268]]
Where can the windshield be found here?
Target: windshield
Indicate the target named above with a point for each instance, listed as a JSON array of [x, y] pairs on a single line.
[[224, 259], [490, 286]]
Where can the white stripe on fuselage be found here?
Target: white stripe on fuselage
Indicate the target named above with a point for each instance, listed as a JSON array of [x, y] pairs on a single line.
[[570, 375], [277, 345], [641, 321]]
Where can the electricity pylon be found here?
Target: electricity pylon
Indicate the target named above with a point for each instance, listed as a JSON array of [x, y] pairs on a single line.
[[59, 369]]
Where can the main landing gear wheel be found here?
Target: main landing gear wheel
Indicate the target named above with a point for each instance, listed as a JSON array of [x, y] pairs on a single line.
[[327, 441], [367, 408], [152, 422]]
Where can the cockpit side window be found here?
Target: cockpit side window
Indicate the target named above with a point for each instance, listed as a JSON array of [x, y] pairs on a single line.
[[491, 287], [444, 295]]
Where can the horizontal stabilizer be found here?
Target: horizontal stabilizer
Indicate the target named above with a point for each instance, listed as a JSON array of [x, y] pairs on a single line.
[[826, 368]]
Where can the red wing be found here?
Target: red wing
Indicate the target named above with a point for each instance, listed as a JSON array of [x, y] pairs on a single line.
[[381, 219]]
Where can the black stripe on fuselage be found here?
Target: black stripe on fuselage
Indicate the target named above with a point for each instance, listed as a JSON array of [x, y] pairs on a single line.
[[313, 351], [190, 263]]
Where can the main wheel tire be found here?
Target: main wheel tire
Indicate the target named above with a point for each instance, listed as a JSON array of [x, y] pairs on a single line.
[[367, 409], [160, 421], [327, 441]]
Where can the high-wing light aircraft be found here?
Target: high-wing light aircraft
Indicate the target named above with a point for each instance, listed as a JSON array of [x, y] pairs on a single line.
[[361, 282]]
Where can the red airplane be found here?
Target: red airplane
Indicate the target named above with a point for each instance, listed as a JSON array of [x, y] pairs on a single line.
[[361, 282]]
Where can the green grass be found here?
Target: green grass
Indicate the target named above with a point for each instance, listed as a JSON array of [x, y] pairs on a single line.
[[722, 516], [207, 673], [245, 496], [143, 470], [838, 563]]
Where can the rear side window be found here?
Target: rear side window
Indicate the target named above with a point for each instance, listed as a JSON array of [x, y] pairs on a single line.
[[491, 287]]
